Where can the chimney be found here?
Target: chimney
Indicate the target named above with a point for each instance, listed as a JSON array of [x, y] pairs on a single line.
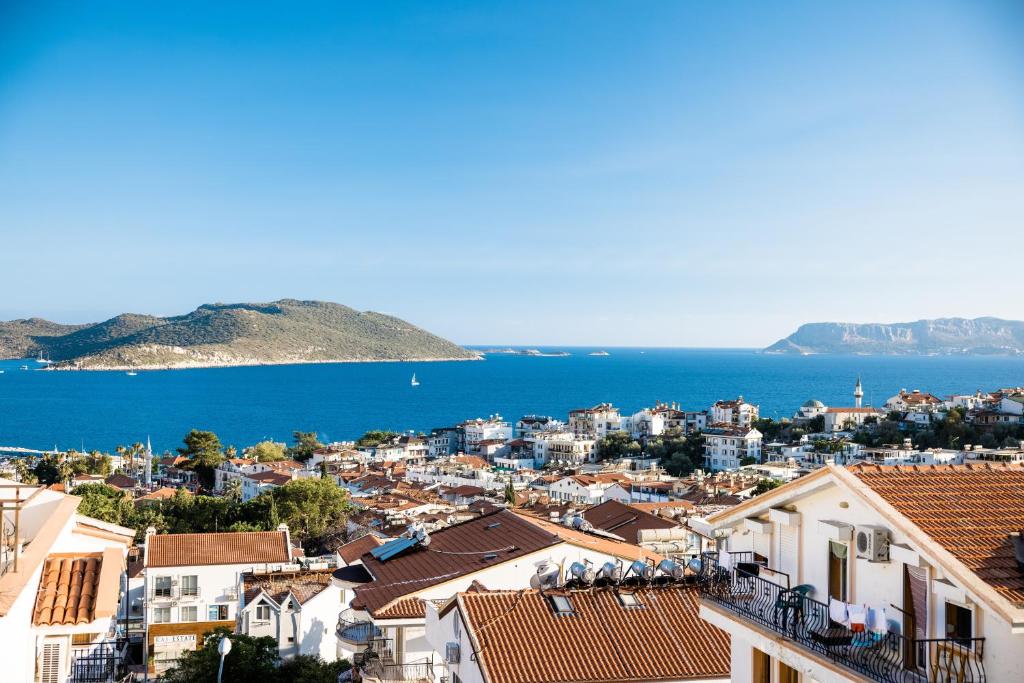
[[287, 538]]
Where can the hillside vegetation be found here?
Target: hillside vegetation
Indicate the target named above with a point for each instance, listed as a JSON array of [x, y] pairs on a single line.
[[286, 331]]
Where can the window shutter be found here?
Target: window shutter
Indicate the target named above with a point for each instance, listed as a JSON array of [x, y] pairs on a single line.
[[50, 663]]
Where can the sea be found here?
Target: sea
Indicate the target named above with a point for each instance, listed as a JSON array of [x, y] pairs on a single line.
[[98, 410]]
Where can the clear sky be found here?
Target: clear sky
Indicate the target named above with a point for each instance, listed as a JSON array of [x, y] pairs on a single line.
[[677, 174]]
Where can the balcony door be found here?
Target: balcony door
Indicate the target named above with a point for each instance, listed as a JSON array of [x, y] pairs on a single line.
[[838, 568], [915, 613], [785, 547]]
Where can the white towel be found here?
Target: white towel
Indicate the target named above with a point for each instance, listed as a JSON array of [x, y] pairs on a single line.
[[858, 614], [725, 560], [879, 623], [837, 611]]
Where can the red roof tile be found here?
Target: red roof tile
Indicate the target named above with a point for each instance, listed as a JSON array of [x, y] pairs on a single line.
[[519, 638], [242, 547], [67, 590], [970, 510]]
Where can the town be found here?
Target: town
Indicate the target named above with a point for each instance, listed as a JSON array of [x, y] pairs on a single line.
[[845, 543]]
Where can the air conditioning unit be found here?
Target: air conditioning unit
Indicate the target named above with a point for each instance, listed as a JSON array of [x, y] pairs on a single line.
[[872, 543], [452, 653]]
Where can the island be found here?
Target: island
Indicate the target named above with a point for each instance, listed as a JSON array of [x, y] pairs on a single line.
[[941, 336], [276, 333]]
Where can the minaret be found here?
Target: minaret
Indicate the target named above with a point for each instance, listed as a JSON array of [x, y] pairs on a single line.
[[858, 394], [149, 463]]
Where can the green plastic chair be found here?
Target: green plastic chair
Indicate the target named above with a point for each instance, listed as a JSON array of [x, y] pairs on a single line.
[[792, 600]]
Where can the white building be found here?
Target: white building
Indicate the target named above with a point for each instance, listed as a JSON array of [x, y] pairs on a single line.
[[193, 584], [589, 489], [845, 419], [726, 446], [60, 586], [298, 609], [737, 413], [874, 573], [479, 430], [502, 551], [595, 423]]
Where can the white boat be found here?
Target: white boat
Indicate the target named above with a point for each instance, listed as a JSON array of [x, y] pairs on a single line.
[[24, 367], [131, 373], [44, 361], [414, 382]]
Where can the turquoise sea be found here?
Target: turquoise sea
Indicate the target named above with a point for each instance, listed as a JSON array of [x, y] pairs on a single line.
[[99, 410]]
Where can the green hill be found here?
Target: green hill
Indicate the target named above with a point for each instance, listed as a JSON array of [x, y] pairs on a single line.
[[286, 331]]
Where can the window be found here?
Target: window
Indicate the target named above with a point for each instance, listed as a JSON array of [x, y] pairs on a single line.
[[190, 585], [959, 623], [457, 627], [762, 667], [190, 613], [162, 587], [161, 615], [629, 600], [218, 612], [562, 605], [262, 612]]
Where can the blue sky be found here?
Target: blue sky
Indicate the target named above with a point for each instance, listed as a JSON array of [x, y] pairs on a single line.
[[677, 174]]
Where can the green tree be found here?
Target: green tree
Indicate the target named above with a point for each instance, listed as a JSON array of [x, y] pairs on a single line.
[[510, 493], [233, 490], [314, 509], [204, 452], [375, 437], [617, 445], [311, 669], [106, 503], [305, 445], [250, 659], [23, 471], [765, 485], [267, 451], [748, 460], [679, 454]]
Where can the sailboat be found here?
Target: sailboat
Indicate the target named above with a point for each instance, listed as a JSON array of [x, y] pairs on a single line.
[[414, 382], [44, 361]]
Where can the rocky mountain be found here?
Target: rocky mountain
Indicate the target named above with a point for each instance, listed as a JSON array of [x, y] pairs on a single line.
[[942, 336], [286, 331]]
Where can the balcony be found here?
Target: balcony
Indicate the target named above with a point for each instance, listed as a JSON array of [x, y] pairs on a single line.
[[888, 658], [356, 632], [100, 663], [376, 670]]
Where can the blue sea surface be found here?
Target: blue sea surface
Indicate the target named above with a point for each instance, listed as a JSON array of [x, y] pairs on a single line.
[[98, 410]]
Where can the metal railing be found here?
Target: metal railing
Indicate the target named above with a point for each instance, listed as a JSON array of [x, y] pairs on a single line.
[[387, 673], [357, 632], [99, 663], [885, 657]]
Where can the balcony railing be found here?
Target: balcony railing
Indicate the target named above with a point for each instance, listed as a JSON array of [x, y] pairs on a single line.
[[357, 632], [887, 658], [392, 673], [99, 663]]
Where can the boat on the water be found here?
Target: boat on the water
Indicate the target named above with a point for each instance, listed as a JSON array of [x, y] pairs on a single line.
[[131, 373], [414, 382], [24, 367], [599, 353]]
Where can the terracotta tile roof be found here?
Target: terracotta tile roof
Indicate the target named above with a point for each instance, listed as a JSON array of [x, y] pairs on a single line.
[[453, 552], [278, 478], [520, 639], [242, 547], [624, 520], [67, 589], [303, 586], [593, 542], [353, 550], [121, 481], [970, 510]]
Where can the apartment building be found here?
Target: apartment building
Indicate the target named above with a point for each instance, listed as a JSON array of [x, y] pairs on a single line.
[[878, 573], [596, 422], [61, 578], [500, 550], [193, 584], [839, 419], [480, 430], [737, 413], [726, 446]]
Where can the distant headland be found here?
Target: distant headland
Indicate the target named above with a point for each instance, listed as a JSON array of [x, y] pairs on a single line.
[[938, 337], [213, 335]]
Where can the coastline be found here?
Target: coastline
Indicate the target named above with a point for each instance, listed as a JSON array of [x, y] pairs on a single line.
[[199, 365]]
